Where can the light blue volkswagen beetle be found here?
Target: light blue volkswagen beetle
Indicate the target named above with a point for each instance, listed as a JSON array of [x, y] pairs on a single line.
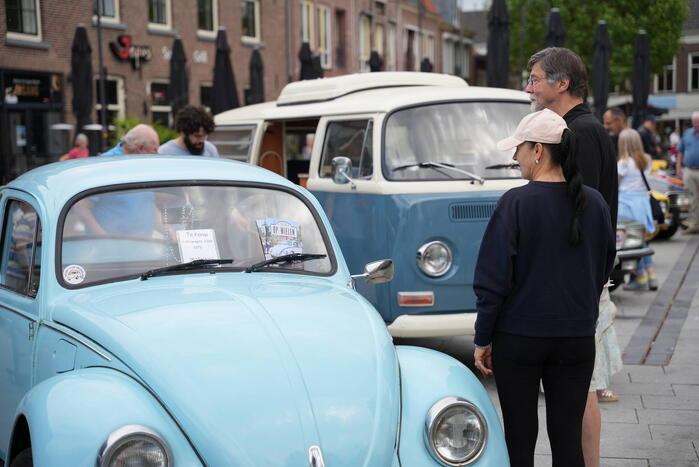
[[161, 311]]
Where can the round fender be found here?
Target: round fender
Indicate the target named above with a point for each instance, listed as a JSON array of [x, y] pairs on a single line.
[[70, 416], [428, 376]]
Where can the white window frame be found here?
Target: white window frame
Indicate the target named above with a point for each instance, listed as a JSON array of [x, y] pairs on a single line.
[[325, 38], [257, 38], [116, 19], [379, 39], [391, 47], [656, 80], [448, 55], [689, 72], [364, 43], [29, 37], [159, 108], [307, 22], [428, 48], [168, 18], [214, 21], [120, 106]]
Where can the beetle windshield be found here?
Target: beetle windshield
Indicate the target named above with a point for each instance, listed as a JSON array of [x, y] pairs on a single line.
[[122, 234], [460, 134]]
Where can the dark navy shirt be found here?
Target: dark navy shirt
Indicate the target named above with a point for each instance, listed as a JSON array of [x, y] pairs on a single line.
[[529, 280]]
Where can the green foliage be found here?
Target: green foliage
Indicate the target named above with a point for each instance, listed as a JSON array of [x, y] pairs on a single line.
[[662, 20], [123, 125]]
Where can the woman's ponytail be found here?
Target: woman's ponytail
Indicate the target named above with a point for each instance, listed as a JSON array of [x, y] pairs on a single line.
[[568, 159]]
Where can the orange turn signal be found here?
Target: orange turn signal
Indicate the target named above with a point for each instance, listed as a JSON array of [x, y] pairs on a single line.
[[415, 298]]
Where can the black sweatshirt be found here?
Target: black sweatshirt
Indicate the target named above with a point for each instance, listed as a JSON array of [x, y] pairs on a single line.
[[596, 155], [529, 280]]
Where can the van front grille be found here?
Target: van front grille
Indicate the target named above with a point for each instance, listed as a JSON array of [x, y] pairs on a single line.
[[469, 212]]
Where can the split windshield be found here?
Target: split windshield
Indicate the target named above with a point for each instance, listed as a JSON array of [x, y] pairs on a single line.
[[460, 134], [122, 234]]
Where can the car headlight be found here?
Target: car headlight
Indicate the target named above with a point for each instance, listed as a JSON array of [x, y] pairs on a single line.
[[633, 238], [134, 445], [684, 200], [664, 207], [455, 431], [434, 258]]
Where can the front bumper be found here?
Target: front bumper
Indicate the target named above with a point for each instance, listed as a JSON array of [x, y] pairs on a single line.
[[636, 253], [453, 324]]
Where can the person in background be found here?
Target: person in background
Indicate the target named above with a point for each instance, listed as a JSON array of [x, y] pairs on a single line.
[[558, 81], [688, 170], [634, 201], [649, 136], [79, 151], [194, 124], [614, 121], [537, 314], [141, 139]]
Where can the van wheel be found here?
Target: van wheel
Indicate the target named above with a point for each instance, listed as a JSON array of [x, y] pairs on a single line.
[[23, 459]]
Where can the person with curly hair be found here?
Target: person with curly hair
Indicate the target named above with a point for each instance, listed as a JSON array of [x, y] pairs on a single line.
[[194, 124]]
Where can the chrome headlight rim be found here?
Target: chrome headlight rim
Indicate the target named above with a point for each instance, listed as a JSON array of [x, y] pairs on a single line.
[[420, 258], [125, 434], [434, 414]]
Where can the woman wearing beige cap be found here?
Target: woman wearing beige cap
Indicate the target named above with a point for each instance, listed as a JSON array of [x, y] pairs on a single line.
[[545, 256]]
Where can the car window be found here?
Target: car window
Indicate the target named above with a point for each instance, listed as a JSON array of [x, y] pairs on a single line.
[[233, 142], [20, 264], [460, 134], [121, 234], [352, 139]]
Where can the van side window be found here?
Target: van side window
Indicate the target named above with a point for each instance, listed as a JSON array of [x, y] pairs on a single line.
[[21, 244], [352, 139]]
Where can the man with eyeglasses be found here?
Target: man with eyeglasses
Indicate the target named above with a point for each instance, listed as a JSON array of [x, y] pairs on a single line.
[[558, 81]]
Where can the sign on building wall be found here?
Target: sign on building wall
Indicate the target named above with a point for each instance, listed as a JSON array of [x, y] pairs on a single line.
[[124, 50]]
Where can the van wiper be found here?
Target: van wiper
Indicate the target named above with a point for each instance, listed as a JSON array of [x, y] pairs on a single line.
[[196, 264], [442, 165], [284, 259], [512, 165]]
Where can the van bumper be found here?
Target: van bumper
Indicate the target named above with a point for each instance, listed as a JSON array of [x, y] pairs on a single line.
[[453, 324]]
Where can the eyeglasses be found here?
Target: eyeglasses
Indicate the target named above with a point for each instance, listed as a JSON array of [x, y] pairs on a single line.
[[533, 80]]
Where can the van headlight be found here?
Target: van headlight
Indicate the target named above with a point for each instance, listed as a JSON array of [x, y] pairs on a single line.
[[434, 258], [134, 445], [455, 431]]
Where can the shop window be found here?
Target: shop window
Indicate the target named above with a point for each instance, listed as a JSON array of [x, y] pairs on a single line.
[[665, 81], [20, 265], [364, 43], [23, 19], [352, 139], [160, 108], [207, 17], [340, 52], [307, 23], [324, 39], [428, 48], [251, 20], [390, 60], [159, 14], [109, 12], [114, 92], [205, 95]]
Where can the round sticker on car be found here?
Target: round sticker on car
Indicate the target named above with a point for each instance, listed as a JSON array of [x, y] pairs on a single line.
[[74, 274]]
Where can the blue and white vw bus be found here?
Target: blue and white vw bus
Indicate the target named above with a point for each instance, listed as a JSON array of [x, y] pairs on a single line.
[[405, 166]]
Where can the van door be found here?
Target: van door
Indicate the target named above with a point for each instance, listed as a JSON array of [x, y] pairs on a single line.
[[286, 146]]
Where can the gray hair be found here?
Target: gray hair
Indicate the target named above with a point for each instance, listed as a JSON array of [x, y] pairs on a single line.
[[80, 137], [695, 114], [140, 135], [559, 63]]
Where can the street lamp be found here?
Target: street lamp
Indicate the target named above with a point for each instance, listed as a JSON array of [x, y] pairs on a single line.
[[97, 6]]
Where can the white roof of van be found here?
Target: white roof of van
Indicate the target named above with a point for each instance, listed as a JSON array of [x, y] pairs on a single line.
[[370, 97]]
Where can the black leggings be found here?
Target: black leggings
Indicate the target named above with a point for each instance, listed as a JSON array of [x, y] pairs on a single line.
[[565, 366]]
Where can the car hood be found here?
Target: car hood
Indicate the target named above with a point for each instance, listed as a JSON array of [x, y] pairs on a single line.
[[256, 368]]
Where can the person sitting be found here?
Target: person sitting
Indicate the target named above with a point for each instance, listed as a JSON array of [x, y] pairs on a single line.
[[79, 151]]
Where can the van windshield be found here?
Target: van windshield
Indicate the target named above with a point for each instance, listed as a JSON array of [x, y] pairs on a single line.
[[422, 142]]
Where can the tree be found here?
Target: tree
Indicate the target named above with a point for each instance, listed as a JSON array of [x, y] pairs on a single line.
[[662, 20]]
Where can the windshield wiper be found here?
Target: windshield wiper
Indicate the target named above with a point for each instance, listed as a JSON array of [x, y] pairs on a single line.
[[512, 165], [285, 259], [442, 165], [196, 264]]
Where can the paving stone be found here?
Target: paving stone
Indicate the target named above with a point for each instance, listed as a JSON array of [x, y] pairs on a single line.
[[645, 374], [682, 373], [658, 389], [671, 432], [667, 463], [676, 403], [611, 432], [611, 462], [629, 448], [668, 417], [617, 414], [689, 391]]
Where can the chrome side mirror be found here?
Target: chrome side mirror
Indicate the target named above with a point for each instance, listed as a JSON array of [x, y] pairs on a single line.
[[341, 168], [377, 272]]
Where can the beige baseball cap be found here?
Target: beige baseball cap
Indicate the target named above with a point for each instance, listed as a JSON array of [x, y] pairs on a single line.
[[544, 126]]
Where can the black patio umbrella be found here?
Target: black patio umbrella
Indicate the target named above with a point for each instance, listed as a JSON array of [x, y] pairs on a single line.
[[556, 33], [640, 79], [81, 75], [178, 89], [601, 54], [375, 61], [224, 95], [498, 58], [306, 59], [425, 65], [317, 67], [257, 85]]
